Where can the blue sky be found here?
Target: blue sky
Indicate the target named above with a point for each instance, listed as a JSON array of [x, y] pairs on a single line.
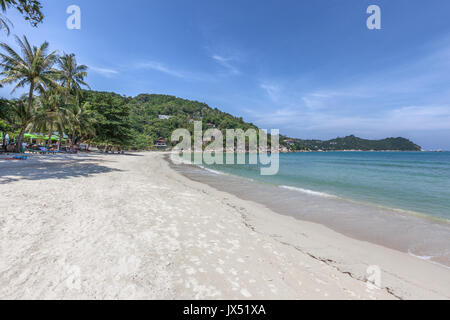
[[309, 68]]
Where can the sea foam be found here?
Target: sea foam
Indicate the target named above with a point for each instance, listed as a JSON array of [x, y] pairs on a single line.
[[213, 171], [310, 192]]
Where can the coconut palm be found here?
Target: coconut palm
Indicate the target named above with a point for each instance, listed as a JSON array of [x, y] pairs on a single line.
[[21, 118], [34, 68], [50, 115], [44, 121], [80, 120], [71, 75]]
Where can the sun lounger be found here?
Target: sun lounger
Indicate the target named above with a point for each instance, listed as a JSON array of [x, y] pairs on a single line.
[[44, 150], [16, 158]]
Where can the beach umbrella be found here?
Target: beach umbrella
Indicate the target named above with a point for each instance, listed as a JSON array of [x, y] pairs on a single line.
[[31, 136], [54, 138]]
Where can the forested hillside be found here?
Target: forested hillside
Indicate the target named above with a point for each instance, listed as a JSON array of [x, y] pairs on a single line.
[[138, 122], [354, 143]]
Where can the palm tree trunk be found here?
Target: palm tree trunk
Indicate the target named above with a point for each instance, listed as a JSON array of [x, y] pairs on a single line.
[[49, 142], [30, 97], [60, 140], [73, 139], [67, 92], [19, 140], [4, 140]]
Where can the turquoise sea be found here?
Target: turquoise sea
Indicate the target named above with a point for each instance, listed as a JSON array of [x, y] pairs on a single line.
[[412, 181]]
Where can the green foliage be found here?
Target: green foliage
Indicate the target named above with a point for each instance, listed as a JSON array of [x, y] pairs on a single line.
[[142, 142], [145, 109], [111, 114], [355, 143], [80, 121], [33, 66], [30, 9], [5, 116], [141, 126], [71, 75]]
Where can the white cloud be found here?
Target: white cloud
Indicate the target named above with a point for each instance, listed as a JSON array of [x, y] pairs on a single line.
[[272, 90], [225, 62], [104, 71], [384, 123], [420, 118], [157, 66]]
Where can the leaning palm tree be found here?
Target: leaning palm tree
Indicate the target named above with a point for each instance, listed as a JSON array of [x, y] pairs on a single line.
[[71, 75], [33, 68]]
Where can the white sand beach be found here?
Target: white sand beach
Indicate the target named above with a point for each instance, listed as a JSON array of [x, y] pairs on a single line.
[[129, 227]]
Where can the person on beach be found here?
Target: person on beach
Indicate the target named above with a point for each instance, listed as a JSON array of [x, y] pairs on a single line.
[[6, 142]]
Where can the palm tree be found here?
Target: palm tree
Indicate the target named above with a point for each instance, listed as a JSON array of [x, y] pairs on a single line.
[[80, 120], [21, 118], [44, 121], [50, 115], [35, 69], [71, 75]]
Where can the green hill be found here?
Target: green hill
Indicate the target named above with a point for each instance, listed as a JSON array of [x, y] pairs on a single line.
[[138, 122], [354, 143]]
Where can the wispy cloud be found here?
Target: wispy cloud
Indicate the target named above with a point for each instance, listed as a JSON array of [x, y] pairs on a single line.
[[104, 71], [323, 99], [423, 118], [272, 90], [226, 63], [157, 66]]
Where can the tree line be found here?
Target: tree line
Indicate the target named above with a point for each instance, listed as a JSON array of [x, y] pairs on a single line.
[[53, 83]]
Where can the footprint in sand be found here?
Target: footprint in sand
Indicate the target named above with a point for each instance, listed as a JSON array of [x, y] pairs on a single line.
[[245, 293]]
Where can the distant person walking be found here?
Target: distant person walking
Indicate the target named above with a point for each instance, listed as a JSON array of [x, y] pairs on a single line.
[[6, 142]]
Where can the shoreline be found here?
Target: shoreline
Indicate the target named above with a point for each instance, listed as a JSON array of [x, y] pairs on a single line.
[[377, 224], [419, 214], [128, 226], [332, 250]]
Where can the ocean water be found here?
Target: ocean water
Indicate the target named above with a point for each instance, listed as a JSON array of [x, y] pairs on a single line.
[[413, 181], [400, 200]]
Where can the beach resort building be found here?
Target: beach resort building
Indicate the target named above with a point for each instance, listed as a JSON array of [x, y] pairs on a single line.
[[161, 143]]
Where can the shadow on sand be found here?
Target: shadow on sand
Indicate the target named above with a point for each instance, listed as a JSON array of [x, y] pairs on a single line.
[[49, 167]]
